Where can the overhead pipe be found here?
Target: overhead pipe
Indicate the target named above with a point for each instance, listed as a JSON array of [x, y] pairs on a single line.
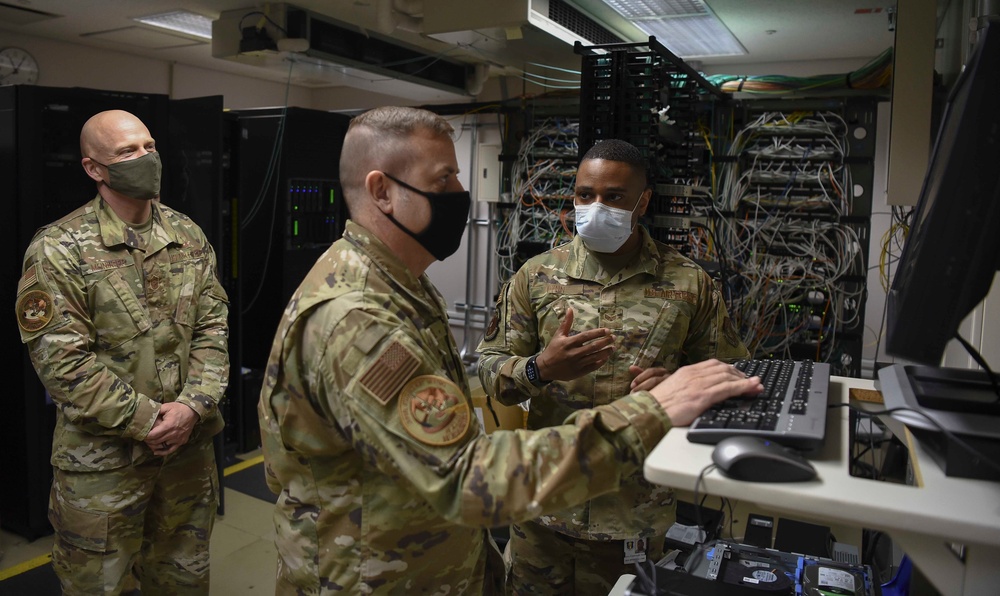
[[399, 14]]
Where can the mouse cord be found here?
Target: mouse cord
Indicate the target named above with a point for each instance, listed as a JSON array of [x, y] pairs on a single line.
[[729, 504], [951, 436], [647, 580], [697, 508]]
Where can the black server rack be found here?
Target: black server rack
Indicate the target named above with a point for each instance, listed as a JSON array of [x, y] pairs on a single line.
[[540, 159], [44, 180], [808, 171], [644, 94], [282, 178], [772, 196]]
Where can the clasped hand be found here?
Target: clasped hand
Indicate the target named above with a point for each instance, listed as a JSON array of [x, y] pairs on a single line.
[[172, 428]]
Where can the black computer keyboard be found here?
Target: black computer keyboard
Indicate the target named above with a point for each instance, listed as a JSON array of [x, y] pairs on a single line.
[[791, 410]]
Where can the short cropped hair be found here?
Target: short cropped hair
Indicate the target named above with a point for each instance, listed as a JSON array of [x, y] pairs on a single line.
[[618, 150], [376, 140], [398, 121]]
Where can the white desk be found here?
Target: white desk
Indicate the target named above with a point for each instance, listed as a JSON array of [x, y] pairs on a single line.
[[921, 519]]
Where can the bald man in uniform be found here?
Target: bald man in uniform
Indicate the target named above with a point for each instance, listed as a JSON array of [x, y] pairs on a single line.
[[124, 318]]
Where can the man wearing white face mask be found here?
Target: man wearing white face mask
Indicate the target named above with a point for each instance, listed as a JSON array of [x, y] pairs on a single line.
[[611, 312]]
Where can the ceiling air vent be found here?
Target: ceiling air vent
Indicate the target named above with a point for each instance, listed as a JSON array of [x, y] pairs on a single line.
[[562, 13]]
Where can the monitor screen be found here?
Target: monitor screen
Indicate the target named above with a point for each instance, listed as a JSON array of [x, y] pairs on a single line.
[[951, 254]]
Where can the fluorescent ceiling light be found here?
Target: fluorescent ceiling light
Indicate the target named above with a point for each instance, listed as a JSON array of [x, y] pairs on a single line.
[[688, 28], [181, 21]]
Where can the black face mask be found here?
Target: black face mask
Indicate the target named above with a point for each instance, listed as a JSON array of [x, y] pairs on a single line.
[[449, 214]]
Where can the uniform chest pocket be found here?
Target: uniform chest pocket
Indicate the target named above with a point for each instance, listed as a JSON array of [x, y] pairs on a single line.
[[185, 275], [117, 313], [661, 341]]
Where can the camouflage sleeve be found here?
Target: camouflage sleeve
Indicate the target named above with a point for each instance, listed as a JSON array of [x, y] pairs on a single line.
[[511, 337], [90, 396], [208, 369], [712, 334], [468, 477]]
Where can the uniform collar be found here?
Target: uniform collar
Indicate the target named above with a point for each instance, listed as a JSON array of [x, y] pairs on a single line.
[[385, 259], [583, 265], [114, 231]]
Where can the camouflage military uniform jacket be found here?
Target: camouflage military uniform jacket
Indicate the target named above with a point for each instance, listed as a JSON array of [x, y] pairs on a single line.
[[115, 328], [383, 488], [664, 311]]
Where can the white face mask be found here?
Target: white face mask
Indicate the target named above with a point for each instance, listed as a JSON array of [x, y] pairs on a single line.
[[603, 228]]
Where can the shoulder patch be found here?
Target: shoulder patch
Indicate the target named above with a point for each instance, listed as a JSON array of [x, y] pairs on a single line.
[[387, 375], [434, 411], [29, 279], [494, 327], [34, 310]]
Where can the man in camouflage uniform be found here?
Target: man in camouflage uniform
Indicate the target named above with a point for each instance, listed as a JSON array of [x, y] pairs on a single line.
[[579, 326], [386, 483], [125, 322]]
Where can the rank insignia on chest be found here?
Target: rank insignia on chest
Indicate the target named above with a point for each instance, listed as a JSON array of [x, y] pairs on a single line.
[[434, 410]]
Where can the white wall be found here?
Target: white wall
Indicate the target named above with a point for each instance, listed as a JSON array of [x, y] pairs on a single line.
[[72, 65]]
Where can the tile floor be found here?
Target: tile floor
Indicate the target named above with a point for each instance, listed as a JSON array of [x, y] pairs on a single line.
[[243, 554]]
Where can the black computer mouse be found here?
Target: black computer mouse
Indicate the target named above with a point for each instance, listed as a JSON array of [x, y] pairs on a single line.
[[760, 460]]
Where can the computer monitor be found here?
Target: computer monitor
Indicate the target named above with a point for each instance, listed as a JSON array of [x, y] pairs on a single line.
[[947, 267], [953, 248]]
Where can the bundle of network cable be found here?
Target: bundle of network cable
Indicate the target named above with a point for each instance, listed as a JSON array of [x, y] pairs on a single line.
[[874, 75]]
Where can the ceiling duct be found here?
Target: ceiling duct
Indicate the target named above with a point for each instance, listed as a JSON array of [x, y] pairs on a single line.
[[504, 24], [328, 52]]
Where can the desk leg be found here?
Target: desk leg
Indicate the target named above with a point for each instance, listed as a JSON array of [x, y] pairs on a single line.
[[981, 573], [978, 574]]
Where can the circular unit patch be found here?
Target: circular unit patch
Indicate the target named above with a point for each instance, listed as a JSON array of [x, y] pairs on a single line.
[[34, 310], [493, 327], [434, 411]]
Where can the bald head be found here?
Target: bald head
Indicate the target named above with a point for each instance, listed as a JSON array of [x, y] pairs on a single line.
[[376, 140], [105, 134]]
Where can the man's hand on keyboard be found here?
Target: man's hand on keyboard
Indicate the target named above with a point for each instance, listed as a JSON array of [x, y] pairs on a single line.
[[692, 389]]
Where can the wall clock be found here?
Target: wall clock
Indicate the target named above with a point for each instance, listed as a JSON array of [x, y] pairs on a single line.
[[17, 67]]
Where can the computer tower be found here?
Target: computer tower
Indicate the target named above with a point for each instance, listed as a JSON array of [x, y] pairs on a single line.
[[282, 178], [43, 180]]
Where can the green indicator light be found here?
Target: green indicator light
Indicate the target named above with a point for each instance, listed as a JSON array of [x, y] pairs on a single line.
[[331, 196], [295, 228]]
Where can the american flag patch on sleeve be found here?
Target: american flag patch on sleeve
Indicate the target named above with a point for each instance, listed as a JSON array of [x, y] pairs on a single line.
[[27, 280], [386, 377]]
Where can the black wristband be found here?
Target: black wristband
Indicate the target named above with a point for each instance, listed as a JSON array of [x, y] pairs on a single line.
[[531, 371]]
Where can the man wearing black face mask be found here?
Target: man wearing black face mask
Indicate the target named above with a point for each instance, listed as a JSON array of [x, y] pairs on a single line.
[[125, 321], [386, 482]]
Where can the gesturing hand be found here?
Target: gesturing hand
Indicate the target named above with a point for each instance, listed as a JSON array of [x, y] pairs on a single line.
[[570, 356], [693, 389], [172, 428]]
